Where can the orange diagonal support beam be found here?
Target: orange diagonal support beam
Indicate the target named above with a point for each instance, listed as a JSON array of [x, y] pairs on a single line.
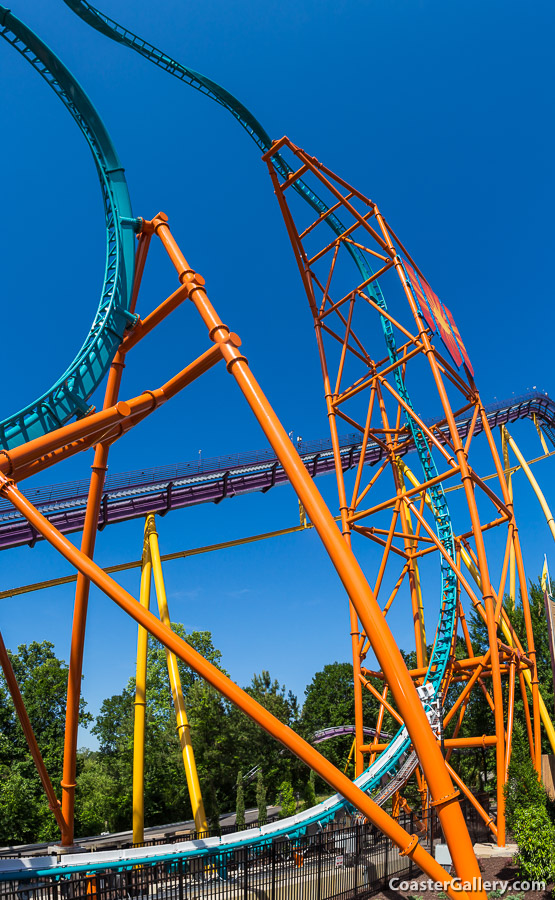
[[346, 564], [240, 698]]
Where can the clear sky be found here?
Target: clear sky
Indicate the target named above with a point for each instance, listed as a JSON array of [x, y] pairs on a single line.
[[438, 111]]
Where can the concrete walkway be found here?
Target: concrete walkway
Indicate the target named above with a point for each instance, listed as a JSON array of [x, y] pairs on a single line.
[[485, 851]]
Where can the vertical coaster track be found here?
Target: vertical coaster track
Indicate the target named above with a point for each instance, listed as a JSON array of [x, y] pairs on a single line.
[[69, 395], [389, 762]]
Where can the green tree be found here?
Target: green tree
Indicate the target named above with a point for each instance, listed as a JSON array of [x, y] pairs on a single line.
[[211, 806], [286, 799], [309, 793], [330, 700], [523, 789], [97, 791], [42, 679], [534, 833], [252, 746], [261, 798], [240, 801], [166, 794]]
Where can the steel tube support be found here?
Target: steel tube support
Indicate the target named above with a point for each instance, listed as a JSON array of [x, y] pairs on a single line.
[[468, 487], [532, 677], [339, 782], [354, 581], [140, 703], [88, 540], [183, 728], [75, 673], [534, 484]]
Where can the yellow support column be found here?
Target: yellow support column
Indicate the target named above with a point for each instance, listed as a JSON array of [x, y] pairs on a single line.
[[509, 481], [503, 624], [140, 704], [183, 728], [415, 573], [535, 486]]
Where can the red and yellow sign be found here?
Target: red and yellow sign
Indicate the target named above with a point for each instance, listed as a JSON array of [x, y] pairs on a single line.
[[439, 318]]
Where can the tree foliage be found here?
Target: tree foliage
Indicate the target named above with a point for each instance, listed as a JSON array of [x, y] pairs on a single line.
[[240, 801], [226, 742], [329, 700], [261, 798], [42, 679], [286, 799]]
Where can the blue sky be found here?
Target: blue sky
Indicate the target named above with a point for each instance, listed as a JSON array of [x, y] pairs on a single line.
[[439, 112]]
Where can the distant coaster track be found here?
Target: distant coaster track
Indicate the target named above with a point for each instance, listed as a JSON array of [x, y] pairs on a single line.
[[131, 495]]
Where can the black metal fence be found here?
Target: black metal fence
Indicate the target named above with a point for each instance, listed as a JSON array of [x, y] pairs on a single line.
[[344, 862], [340, 862]]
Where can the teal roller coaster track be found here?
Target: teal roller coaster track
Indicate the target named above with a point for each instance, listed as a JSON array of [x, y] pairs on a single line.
[[69, 396]]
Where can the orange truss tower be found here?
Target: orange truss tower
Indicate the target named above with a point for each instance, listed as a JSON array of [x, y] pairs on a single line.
[[373, 384]]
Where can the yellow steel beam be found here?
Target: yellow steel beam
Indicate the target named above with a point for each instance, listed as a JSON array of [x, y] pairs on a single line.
[[509, 480], [465, 556], [183, 728], [167, 557], [535, 486], [140, 705], [349, 758], [418, 588]]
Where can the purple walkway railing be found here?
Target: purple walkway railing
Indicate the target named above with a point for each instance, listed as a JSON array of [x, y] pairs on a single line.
[[132, 495]]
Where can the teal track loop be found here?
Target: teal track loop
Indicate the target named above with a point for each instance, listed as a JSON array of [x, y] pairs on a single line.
[[391, 761], [397, 762], [69, 396]]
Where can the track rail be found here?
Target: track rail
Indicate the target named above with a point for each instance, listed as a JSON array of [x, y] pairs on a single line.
[[69, 395], [132, 495], [397, 761]]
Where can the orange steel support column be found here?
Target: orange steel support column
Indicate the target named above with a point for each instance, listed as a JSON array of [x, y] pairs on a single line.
[[88, 540], [409, 844], [23, 717], [468, 487], [510, 716], [94, 499], [346, 530], [410, 547], [441, 787]]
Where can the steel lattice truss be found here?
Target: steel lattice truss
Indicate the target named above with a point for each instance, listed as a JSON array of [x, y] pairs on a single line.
[[396, 372]]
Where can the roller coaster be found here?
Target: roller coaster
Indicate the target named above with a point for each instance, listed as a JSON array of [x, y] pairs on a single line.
[[370, 352]]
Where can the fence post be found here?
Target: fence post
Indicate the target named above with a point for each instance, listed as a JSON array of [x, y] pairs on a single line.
[[320, 840], [386, 867], [246, 875], [357, 854], [180, 877], [273, 870]]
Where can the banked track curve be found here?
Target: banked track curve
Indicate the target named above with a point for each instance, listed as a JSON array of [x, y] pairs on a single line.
[[69, 395]]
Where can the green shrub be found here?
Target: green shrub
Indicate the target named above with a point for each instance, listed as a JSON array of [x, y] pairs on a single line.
[[240, 801], [286, 799], [261, 798], [309, 793], [523, 789], [534, 833]]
